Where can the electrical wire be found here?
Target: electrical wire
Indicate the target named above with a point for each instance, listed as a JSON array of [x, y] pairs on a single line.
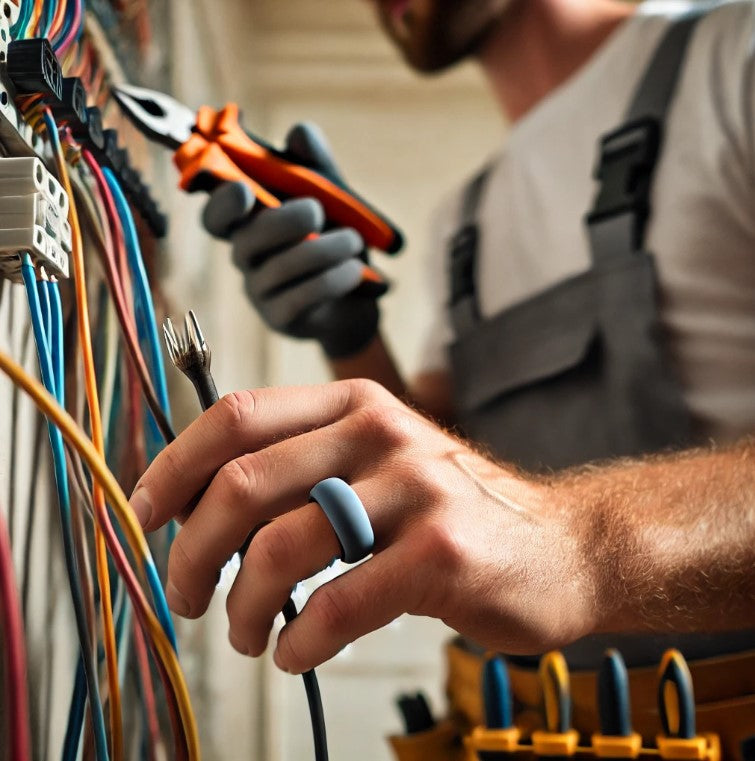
[[85, 342], [314, 699], [190, 354], [72, 27], [167, 659], [143, 294], [61, 480], [148, 692], [14, 655], [132, 342]]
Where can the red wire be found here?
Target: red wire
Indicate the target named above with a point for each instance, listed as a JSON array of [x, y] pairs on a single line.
[[135, 591], [15, 653], [153, 723], [140, 603], [132, 342], [134, 460]]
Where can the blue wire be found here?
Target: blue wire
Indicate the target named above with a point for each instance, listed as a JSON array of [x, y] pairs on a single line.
[[67, 21], [145, 307], [75, 714], [61, 481], [161, 604], [48, 14], [145, 311], [56, 342], [44, 304], [23, 19]]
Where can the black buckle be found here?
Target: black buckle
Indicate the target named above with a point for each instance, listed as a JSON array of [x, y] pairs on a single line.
[[463, 247], [625, 168]]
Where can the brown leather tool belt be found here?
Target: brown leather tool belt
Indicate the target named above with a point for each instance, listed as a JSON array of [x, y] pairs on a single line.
[[724, 692]]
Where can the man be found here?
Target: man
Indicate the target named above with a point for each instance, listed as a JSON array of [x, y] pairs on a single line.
[[594, 366]]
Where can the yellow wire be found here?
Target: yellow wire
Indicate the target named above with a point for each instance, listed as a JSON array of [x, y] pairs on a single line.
[[31, 27], [90, 380], [117, 499]]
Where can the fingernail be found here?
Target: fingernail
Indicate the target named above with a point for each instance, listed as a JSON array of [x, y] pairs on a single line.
[[279, 663], [176, 601], [141, 505]]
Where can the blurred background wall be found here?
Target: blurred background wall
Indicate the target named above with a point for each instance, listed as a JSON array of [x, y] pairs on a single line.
[[403, 142]]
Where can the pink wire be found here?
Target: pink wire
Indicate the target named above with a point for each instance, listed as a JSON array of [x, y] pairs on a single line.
[[73, 31], [15, 653]]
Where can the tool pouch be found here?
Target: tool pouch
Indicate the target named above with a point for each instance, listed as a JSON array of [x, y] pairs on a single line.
[[724, 692], [441, 743]]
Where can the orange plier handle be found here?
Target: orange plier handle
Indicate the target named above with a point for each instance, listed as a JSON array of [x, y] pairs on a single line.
[[222, 149]]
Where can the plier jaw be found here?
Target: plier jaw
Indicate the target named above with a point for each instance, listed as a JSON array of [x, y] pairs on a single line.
[[158, 116]]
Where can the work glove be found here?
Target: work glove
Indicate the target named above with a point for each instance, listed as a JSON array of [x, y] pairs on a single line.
[[301, 288]]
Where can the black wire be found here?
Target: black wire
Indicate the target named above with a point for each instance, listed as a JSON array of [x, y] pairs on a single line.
[[204, 384], [314, 699]]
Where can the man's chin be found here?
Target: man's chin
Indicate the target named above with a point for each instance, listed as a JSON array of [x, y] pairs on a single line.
[[433, 61]]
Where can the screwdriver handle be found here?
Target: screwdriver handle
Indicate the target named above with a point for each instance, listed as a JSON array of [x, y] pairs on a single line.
[[204, 165], [285, 177], [496, 691], [613, 696], [676, 697]]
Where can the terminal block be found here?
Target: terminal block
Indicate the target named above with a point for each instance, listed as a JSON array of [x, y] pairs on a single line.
[[10, 11], [33, 218], [4, 38], [33, 68], [72, 108]]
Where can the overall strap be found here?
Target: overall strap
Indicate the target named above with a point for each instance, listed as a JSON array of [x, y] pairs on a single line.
[[463, 249], [628, 155]]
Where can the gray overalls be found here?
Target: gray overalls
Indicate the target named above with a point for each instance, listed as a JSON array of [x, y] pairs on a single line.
[[579, 372]]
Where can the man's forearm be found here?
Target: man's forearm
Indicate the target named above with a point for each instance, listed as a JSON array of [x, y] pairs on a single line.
[[430, 392], [673, 537]]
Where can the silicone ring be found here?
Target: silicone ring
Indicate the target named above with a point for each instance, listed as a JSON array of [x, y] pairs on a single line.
[[347, 516]]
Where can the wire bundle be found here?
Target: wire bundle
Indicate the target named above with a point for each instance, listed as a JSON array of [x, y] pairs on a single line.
[[120, 611]]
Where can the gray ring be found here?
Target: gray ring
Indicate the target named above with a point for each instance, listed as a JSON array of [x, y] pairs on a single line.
[[347, 516]]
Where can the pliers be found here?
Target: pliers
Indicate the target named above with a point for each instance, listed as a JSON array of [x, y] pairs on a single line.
[[211, 147]]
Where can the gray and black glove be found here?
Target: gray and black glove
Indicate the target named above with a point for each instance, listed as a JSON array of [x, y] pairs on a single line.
[[302, 287]]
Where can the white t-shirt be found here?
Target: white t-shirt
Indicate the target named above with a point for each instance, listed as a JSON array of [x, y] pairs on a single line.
[[702, 228]]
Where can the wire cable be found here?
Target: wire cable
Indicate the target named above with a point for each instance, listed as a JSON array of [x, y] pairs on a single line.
[[150, 569], [132, 342], [61, 480], [85, 342], [72, 28], [14, 654], [190, 354], [75, 436], [143, 294]]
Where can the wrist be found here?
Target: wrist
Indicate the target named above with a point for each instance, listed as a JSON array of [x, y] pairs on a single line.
[[607, 549], [354, 332]]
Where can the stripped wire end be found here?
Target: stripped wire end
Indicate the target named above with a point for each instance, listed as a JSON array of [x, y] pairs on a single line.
[[190, 353]]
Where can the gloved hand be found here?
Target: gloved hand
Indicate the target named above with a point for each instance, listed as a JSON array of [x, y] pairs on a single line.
[[301, 288]]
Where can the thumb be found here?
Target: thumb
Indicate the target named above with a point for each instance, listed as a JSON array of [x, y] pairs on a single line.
[[307, 144], [229, 204]]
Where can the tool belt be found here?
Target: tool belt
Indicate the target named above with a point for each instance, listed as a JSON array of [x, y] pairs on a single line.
[[724, 690]]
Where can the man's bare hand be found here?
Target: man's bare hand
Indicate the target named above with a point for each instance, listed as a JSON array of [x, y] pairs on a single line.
[[457, 537]]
